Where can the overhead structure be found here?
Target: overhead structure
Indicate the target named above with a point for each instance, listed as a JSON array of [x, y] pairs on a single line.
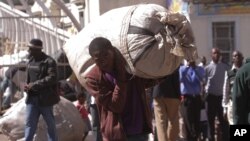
[[18, 23]]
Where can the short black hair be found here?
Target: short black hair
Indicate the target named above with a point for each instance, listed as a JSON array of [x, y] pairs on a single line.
[[99, 43]]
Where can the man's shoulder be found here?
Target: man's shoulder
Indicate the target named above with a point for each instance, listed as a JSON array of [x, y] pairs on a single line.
[[49, 58], [182, 67]]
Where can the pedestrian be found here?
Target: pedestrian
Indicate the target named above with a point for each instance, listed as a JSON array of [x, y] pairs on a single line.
[[120, 97], [203, 116], [81, 106], [41, 91], [166, 107], [228, 86], [241, 95], [192, 78], [215, 72]]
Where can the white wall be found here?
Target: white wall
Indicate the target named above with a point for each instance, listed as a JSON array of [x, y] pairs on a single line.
[[202, 28], [244, 36]]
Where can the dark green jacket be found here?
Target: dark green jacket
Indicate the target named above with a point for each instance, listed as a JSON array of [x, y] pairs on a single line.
[[241, 95]]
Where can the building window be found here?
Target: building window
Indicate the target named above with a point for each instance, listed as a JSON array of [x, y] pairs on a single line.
[[224, 39]]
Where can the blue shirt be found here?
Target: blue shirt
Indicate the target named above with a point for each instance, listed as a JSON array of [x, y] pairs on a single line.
[[191, 79]]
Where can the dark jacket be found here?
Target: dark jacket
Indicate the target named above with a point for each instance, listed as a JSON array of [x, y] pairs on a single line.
[[169, 86], [45, 86], [241, 95]]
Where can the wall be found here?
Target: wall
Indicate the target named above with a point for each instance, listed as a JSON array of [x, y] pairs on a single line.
[[202, 28]]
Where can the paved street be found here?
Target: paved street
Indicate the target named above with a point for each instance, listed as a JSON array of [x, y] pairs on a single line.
[[4, 138], [89, 138]]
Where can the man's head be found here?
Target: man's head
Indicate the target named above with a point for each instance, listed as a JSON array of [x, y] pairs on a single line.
[[237, 58], [191, 63], [103, 54], [215, 54], [35, 47], [203, 60]]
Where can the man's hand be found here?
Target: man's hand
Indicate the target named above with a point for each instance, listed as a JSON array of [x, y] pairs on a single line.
[[27, 87]]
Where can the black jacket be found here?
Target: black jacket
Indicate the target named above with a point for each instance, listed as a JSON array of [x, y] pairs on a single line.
[[45, 86], [169, 87]]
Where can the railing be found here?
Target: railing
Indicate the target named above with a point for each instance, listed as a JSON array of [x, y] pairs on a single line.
[[20, 27]]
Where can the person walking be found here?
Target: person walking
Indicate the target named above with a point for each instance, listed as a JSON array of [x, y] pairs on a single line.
[[215, 72], [41, 91], [166, 101], [120, 97], [228, 86], [192, 78]]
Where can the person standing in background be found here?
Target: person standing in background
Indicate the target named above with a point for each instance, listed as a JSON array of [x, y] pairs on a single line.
[[228, 86], [203, 116], [166, 107], [215, 72], [192, 78]]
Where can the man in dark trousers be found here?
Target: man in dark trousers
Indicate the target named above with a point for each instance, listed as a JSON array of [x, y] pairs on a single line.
[[215, 72], [41, 91], [191, 78]]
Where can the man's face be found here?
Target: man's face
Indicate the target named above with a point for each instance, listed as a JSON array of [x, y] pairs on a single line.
[[34, 52], [237, 58], [191, 63], [215, 55], [104, 59]]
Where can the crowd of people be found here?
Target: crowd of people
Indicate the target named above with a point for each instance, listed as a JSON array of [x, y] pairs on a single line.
[[207, 98]]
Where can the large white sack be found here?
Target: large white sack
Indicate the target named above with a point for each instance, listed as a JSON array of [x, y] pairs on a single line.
[[69, 123], [173, 40]]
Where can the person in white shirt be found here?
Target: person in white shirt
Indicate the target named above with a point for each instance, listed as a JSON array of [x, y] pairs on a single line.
[[228, 85]]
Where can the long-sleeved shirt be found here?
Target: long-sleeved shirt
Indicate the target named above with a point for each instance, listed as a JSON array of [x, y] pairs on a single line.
[[215, 78], [227, 89], [191, 79]]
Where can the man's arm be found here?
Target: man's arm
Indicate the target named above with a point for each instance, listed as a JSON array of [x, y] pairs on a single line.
[[49, 80]]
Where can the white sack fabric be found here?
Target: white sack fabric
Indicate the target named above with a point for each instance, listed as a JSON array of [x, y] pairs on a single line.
[[152, 40], [69, 123]]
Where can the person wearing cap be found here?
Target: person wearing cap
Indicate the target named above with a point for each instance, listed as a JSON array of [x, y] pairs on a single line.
[[41, 91]]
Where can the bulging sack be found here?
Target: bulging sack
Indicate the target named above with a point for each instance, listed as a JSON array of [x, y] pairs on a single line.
[[69, 123], [152, 40]]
